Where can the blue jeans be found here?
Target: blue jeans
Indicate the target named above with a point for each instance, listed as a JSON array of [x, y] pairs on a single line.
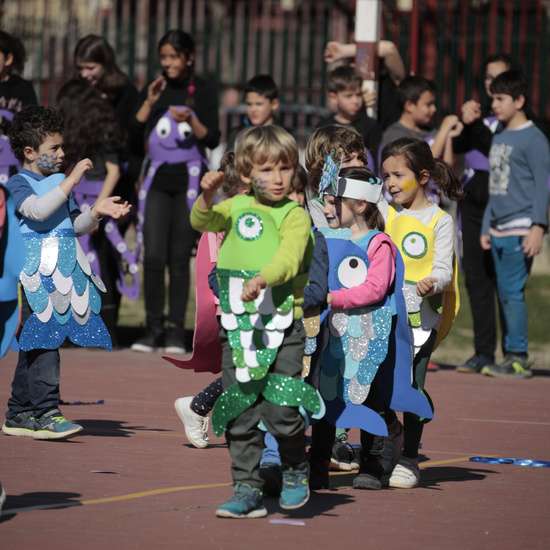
[[512, 268], [271, 450], [35, 386]]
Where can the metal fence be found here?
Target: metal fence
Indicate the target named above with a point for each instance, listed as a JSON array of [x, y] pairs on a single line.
[[237, 39]]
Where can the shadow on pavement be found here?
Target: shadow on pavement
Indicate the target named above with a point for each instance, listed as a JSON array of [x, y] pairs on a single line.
[[112, 428], [41, 501]]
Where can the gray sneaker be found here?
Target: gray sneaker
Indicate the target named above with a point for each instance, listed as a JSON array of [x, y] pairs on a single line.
[[512, 366], [23, 424]]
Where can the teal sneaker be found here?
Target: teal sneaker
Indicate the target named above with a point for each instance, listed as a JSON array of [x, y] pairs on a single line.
[[246, 502], [512, 366], [295, 492], [52, 425], [24, 425]]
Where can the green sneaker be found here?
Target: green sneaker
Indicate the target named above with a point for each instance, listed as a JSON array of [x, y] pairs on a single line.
[[295, 491], [246, 502], [52, 425], [512, 366], [23, 424]]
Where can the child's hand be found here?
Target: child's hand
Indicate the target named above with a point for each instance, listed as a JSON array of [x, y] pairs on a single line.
[[212, 181], [532, 244], [110, 207], [155, 89], [330, 299], [334, 51], [76, 175], [252, 288], [180, 115], [456, 130], [425, 287], [449, 122], [470, 111], [485, 242], [369, 97]]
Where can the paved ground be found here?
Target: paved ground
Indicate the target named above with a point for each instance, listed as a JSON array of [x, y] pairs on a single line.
[[133, 481]]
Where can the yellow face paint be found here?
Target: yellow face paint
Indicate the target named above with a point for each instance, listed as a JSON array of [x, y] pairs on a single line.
[[409, 185]]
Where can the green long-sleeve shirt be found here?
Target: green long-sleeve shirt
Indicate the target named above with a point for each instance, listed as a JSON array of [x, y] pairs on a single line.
[[294, 235]]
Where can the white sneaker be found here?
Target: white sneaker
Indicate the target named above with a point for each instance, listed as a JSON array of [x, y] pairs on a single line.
[[196, 426], [406, 474], [393, 445]]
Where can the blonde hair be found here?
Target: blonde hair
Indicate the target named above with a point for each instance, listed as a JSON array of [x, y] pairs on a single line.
[[259, 144]]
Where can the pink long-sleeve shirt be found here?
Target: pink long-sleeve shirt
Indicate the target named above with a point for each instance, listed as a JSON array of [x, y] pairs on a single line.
[[381, 273]]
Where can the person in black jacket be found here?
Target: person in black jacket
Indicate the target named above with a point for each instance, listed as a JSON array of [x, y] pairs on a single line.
[[168, 238], [15, 93]]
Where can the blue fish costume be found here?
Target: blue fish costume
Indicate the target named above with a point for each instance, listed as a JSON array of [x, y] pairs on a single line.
[[363, 342], [62, 289]]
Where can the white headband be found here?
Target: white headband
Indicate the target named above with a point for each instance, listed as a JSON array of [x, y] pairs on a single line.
[[358, 189]]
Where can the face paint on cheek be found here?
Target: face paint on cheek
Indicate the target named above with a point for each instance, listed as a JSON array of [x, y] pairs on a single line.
[[409, 185], [260, 186], [46, 162]]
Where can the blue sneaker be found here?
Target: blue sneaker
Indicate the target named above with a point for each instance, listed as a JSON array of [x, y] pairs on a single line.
[[295, 492], [246, 502], [23, 424], [475, 364], [52, 425]]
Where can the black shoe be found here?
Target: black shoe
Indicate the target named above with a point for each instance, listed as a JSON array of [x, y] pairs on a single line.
[[153, 339], [475, 364], [370, 474], [318, 473], [173, 343], [341, 454], [272, 474]]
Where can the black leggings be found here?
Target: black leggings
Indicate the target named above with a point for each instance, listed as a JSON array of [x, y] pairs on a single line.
[[168, 239], [204, 401]]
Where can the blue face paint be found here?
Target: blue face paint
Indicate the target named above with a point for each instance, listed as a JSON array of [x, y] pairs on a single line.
[[46, 162], [261, 187]]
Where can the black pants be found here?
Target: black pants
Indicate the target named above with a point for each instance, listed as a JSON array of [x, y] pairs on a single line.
[[478, 266], [109, 265], [168, 239]]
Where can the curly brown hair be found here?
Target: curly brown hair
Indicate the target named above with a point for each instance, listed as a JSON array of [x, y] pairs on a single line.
[[91, 122], [31, 127]]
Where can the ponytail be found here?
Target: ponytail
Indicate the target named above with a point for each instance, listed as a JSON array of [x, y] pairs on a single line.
[[445, 178], [232, 183]]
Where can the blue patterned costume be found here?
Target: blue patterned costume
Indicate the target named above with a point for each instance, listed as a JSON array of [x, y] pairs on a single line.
[[60, 286]]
